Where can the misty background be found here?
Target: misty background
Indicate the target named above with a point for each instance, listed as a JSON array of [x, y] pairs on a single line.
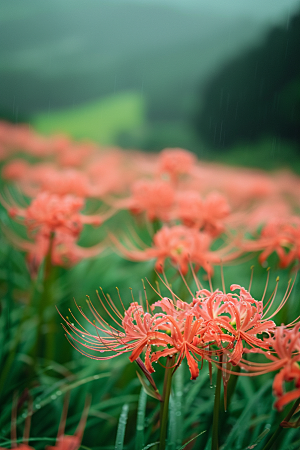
[[220, 78]]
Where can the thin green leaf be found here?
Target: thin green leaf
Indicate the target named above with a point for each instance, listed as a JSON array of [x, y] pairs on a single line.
[[172, 435], [69, 387], [178, 396], [150, 445], [259, 439], [294, 446], [243, 419], [121, 428], [149, 389], [20, 440], [140, 423], [191, 440]]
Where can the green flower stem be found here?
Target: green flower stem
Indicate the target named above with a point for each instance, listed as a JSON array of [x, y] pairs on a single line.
[[290, 414], [215, 426], [45, 301], [164, 408]]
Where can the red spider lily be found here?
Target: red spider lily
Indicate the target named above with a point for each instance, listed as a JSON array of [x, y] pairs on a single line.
[[109, 173], [186, 343], [155, 198], [181, 244], [274, 207], [18, 138], [73, 154], [273, 238], [212, 324], [283, 349], [175, 162], [54, 224], [207, 214], [33, 179], [236, 319], [294, 235], [279, 236], [140, 330], [15, 170], [49, 213]]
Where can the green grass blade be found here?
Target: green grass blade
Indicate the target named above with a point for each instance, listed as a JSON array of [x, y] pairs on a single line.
[[243, 419], [121, 428], [150, 445], [140, 424], [191, 440], [172, 435], [178, 396], [259, 439]]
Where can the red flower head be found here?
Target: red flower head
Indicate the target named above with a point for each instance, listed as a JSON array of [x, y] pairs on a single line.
[[181, 244], [54, 223], [155, 198], [175, 162], [207, 214]]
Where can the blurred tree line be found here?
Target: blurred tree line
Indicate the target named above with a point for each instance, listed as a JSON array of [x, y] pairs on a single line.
[[257, 94]]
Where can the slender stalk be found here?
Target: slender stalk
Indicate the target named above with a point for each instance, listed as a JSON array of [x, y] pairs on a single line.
[[164, 408], [44, 301], [290, 414], [215, 426]]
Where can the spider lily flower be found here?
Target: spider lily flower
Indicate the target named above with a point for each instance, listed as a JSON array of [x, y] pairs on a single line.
[[49, 213], [282, 348], [182, 245], [279, 236], [136, 331], [211, 324], [73, 154], [286, 344], [186, 343], [175, 162], [207, 214], [233, 318], [155, 198], [108, 173], [54, 224], [60, 181]]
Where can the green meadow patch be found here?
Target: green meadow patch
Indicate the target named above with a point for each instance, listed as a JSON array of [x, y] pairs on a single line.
[[102, 120]]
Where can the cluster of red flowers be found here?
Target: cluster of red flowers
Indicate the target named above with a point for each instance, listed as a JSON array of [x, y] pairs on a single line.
[[216, 326], [197, 213], [204, 213]]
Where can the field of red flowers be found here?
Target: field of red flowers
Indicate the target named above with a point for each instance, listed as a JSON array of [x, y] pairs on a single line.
[[147, 300]]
